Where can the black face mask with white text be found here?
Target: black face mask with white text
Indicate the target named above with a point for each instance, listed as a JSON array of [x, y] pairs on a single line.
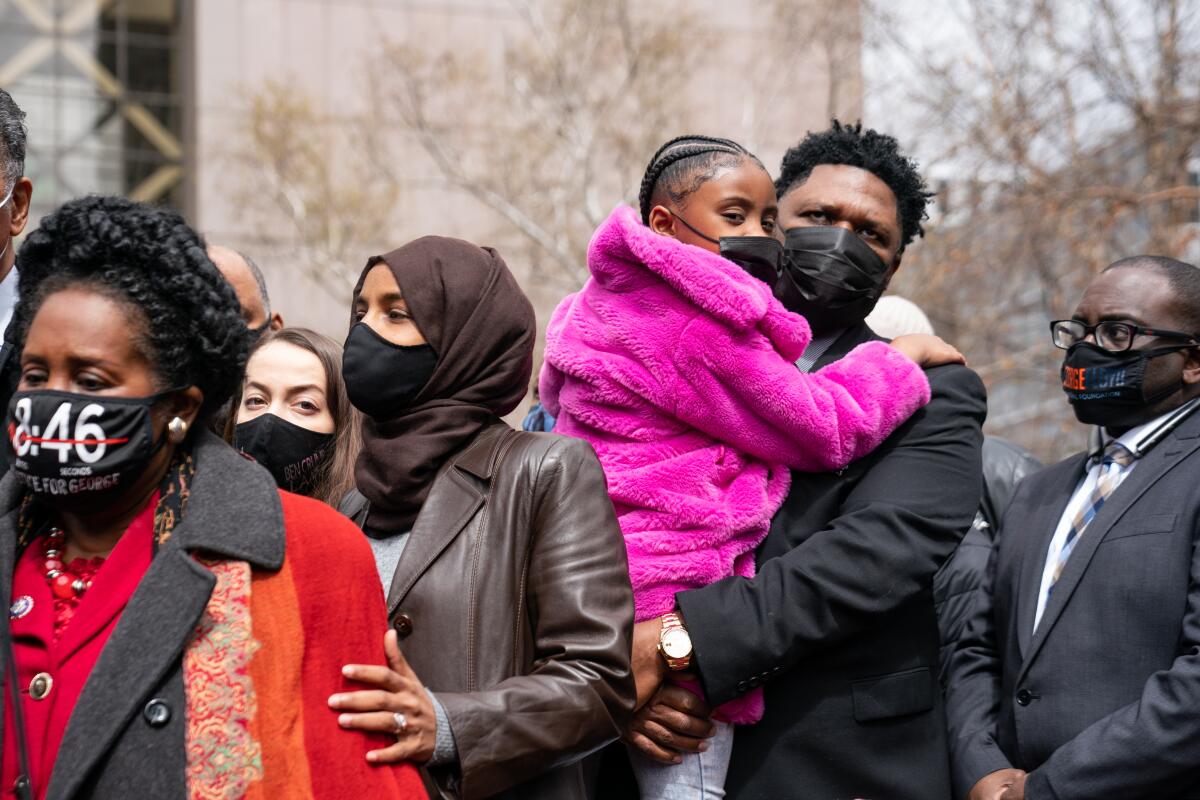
[[68, 447]]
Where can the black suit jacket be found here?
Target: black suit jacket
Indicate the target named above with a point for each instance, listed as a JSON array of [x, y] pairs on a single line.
[[1104, 701], [839, 622], [10, 376]]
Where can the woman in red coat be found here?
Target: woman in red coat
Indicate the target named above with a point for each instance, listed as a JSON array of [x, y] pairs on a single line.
[[176, 622]]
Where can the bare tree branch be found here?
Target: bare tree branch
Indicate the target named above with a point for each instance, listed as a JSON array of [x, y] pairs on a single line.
[[1064, 147]]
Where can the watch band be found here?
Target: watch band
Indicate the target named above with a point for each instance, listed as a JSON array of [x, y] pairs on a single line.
[[672, 621]]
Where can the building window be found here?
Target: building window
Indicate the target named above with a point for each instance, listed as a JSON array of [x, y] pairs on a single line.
[[100, 84]]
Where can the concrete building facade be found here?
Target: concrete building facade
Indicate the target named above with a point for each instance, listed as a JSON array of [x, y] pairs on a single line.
[[149, 98]]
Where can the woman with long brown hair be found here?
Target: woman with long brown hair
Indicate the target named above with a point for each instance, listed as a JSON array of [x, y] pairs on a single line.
[[292, 414]]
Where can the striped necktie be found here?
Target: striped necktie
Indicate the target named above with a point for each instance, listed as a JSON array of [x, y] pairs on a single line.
[[1116, 460]]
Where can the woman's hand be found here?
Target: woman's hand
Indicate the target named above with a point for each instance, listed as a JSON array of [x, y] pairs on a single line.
[[398, 691], [927, 350]]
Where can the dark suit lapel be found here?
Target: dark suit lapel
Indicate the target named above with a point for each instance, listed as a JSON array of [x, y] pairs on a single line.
[[1058, 489], [453, 500], [1152, 467], [9, 495], [7, 353], [144, 648]]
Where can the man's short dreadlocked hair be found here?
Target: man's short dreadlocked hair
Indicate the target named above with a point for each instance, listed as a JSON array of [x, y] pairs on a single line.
[[682, 165], [147, 258], [867, 149]]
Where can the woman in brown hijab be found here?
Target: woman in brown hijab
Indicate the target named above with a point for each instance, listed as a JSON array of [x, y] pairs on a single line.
[[499, 551]]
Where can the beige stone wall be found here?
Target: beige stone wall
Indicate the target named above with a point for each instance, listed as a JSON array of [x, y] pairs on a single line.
[[323, 44]]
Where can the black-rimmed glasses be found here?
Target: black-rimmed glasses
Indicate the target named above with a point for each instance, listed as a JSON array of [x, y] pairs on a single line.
[[1116, 337]]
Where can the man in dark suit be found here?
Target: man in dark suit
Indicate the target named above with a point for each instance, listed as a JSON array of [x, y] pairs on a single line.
[[838, 625], [1079, 674], [16, 190]]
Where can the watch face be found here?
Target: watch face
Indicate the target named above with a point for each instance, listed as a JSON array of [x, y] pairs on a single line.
[[677, 644]]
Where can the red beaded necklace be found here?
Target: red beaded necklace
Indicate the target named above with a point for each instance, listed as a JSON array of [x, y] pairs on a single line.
[[64, 585]]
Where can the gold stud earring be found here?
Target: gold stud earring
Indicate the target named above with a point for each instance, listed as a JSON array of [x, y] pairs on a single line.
[[177, 429]]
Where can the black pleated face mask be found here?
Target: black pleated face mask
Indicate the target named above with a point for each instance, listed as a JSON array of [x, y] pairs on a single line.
[[294, 455], [383, 379], [761, 256], [830, 276]]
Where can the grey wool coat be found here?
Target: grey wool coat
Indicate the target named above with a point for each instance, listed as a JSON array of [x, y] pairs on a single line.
[[117, 744]]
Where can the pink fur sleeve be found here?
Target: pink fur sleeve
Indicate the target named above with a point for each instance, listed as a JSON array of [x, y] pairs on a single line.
[[751, 397]]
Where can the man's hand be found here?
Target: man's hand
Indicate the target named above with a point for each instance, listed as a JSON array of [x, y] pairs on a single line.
[[1017, 790], [996, 785], [649, 668], [675, 721]]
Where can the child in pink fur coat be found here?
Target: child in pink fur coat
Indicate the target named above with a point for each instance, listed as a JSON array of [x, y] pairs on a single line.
[[678, 366]]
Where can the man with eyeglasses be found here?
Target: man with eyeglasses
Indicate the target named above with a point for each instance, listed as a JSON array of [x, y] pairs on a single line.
[[1079, 674], [16, 190]]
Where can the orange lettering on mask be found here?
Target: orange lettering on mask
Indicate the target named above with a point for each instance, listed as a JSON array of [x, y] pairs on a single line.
[[1075, 378]]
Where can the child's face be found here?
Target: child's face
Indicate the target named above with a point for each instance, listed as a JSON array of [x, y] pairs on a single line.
[[739, 201]]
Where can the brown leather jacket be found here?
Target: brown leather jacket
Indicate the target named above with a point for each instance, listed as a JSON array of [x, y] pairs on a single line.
[[513, 604]]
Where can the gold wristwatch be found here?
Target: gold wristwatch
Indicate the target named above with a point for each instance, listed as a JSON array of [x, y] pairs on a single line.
[[674, 643]]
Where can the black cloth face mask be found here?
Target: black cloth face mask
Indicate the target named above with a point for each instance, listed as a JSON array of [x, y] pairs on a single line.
[[761, 256], [830, 277], [69, 448], [294, 456], [1109, 389], [383, 379]]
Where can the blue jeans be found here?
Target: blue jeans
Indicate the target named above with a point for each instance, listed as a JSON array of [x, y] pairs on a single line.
[[700, 776]]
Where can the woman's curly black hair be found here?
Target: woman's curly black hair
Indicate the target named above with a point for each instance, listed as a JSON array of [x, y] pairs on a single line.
[[867, 149], [148, 258]]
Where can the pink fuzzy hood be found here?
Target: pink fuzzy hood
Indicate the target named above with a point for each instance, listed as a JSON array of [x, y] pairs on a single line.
[[679, 368]]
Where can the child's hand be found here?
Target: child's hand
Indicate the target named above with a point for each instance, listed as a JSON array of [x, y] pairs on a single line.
[[927, 350]]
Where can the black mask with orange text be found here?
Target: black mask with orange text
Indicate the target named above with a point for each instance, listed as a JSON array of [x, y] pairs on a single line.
[[1109, 389]]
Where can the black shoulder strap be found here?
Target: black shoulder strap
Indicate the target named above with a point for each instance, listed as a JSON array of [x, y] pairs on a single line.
[[355, 506], [23, 787]]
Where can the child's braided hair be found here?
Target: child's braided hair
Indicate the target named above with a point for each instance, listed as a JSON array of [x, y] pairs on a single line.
[[682, 165]]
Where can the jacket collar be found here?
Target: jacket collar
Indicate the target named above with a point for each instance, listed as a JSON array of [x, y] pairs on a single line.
[[481, 456], [234, 511], [623, 249], [453, 501]]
